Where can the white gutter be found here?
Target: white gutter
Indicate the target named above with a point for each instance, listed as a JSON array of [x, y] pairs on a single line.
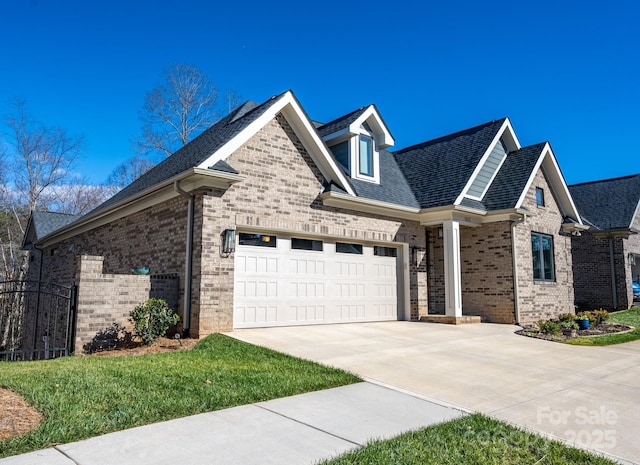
[[190, 179]]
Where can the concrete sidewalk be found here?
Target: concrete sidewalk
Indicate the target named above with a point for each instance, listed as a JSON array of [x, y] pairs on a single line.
[[301, 429], [586, 396]]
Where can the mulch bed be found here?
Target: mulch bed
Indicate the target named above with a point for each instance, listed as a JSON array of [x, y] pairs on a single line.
[[16, 415], [592, 331]]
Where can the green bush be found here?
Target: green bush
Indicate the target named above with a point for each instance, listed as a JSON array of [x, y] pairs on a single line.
[[601, 315], [566, 317], [549, 327], [587, 316], [152, 319], [569, 324]]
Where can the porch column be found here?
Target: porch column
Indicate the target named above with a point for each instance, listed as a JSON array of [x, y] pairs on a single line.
[[452, 275]]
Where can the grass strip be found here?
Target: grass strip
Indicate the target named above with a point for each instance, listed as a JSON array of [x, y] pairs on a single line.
[[82, 397], [470, 440]]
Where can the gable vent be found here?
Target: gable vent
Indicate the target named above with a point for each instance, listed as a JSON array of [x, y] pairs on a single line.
[[488, 171]]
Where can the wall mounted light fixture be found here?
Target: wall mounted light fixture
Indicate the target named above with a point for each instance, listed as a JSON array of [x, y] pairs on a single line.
[[228, 241]]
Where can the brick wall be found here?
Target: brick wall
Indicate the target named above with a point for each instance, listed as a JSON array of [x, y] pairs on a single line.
[[281, 192], [543, 300], [487, 272], [592, 269], [104, 299], [435, 272], [281, 189]]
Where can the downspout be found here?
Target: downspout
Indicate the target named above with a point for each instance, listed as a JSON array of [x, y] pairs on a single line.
[[516, 301], [614, 285], [188, 264]]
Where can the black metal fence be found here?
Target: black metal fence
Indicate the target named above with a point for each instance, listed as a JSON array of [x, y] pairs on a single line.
[[36, 320]]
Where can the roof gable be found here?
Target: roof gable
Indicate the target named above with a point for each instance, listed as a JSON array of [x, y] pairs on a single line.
[[608, 204], [548, 162], [287, 105], [216, 143], [350, 125], [440, 170]]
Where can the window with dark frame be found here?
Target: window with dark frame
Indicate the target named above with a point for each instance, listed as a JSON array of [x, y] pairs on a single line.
[[382, 251], [306, 244], [542, 255], [344, 247], [257, 240], [539, 197]]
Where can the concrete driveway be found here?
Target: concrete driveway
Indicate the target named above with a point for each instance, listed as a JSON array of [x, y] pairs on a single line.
[[589, 396]]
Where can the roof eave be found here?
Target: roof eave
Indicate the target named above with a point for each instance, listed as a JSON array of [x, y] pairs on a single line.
[[361, 204], [189, 180]]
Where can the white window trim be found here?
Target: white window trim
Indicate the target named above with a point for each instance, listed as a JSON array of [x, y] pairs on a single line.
[[354, 156]]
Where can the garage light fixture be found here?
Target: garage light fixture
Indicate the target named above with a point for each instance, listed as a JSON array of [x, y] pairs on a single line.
[[228, 241]]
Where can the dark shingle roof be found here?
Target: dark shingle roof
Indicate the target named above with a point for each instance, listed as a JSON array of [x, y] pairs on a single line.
[[44, 223], [196, 151], [512, 178], [393, 187], [609, 203], [340, 123], [222, 165], [438, 170]]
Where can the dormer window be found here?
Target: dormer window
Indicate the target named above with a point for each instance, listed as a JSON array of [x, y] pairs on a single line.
[[356, 140], [358, 155]]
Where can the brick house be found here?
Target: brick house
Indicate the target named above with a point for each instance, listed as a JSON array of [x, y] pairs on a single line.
[[607, 257], [268, 218]]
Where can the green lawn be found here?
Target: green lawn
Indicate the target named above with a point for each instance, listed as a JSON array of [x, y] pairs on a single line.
[[628, 317], [83, 397], [470, 440]]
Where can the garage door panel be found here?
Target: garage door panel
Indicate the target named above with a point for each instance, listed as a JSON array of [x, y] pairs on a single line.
[[283, 286]]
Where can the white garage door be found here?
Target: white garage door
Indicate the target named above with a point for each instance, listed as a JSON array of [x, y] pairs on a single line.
[[281, 281]]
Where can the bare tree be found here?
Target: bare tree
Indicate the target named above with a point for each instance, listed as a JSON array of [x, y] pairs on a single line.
[[77, 198], [232, 101], [41, 157], [177, 110], [127, 172]]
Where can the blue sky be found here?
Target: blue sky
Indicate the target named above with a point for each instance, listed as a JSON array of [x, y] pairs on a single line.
[[563, 71]]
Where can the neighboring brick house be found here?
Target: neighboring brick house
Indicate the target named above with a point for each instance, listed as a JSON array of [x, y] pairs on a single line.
[[269, 219], [607, 257]]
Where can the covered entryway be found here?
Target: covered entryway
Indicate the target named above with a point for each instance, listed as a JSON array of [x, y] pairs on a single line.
[[282, 281]]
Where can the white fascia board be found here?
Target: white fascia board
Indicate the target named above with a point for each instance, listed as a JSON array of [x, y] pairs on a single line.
[[464, 216], [557, 183], [373, 119], [636, 214], [338, 200], [344, 134], [289, 107], [505, 128], [189, 180]]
